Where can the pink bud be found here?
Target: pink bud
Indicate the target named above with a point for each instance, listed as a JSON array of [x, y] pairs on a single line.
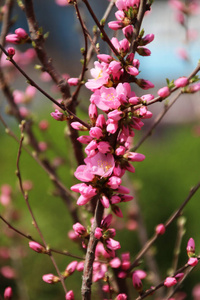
[[121, 297], [164, 92], [12, 38], [57, 115], [71, 267], [179, 276], [77, 125], [80, 266], [79, 229], [8, 293], [21, 33], [11, 51], [137, 283], [132, 70], [181, 82], [143, 51], [37, 247], [148, 39], [115, 263], [190, 247], [50, 278], [105, 58], [170, 281], [43, 125], [73, 81], [69, 295], [160, 229], [145, 84], [192, 261], [98, 233]]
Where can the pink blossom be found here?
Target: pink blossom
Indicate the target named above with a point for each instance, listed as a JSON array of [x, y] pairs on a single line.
[[115, 25], [11, 51], [117, 211], [79, 229], [101, 164], [112, 126], [59, 116], [80, 266], [148, 39], [137, 283], [92, 112], [106, 98], [100, 75], [99, 271], [181, 82], [77, 125], [105, 58], [71, 267], [121, 297], [128, 31], [114, 182], [50, 278], [13, 38], [73, 81], [115, 262], [164, 92], [105, 201], [192, 261], [196, 292], [179, 276], [133, 156], [83, 173], [132, 70], [96, 132], [160, 229], [106, 221], [145, 84], [70, 294], [8, 272], [37, 247], [103, 147], [141, 274], [43, 125], [21, 33], [112, 244], [98, 233], [62, 3], [190, 247], [170, 281], [8, 293]]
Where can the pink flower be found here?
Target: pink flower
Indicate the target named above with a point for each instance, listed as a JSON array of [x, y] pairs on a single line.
[[114, 182], [115, 262], [128, 31], [59, 116], [181, 82], [11, 51], [132, 70], [8, 293], [99, 271], [98, 233], [170, 281], [105, 201], [106, 221], [77, 125], [83, 173], [100, 75], [121, 297], [8, 272], [145, 84], [137, 283], [37, 247], [73, 81], [70, 294], [115, 25], [112, 244], [147, 39], [79, 229], [164, 92], [80, 266], [13, 38], [101, 164], [96, 132], [160, 229], [133, 156], [103, 147], [105, 58], [50, 278], [190, 247], [71, 268], [106, 98], [21, 33], [192, 261]]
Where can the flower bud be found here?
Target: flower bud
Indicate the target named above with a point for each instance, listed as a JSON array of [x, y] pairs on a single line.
[[190, 247], [69, 295], [160, 229], [37, 247], [8, 293], [11, 51], [164, 92], [137, 283], [181, 82], [170, 281], [50, 278]]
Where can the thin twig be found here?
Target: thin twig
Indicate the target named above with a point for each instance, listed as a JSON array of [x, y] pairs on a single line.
[[35, 223], [174, 216]]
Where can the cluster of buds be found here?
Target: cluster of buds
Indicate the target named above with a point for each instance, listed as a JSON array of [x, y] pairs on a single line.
[[19, 37]]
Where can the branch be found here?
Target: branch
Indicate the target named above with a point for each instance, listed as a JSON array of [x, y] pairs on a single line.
[[90, 255], [174, 216], [35, 224]]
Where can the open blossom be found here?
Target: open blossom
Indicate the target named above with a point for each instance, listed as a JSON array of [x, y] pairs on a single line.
[[100, 75]]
